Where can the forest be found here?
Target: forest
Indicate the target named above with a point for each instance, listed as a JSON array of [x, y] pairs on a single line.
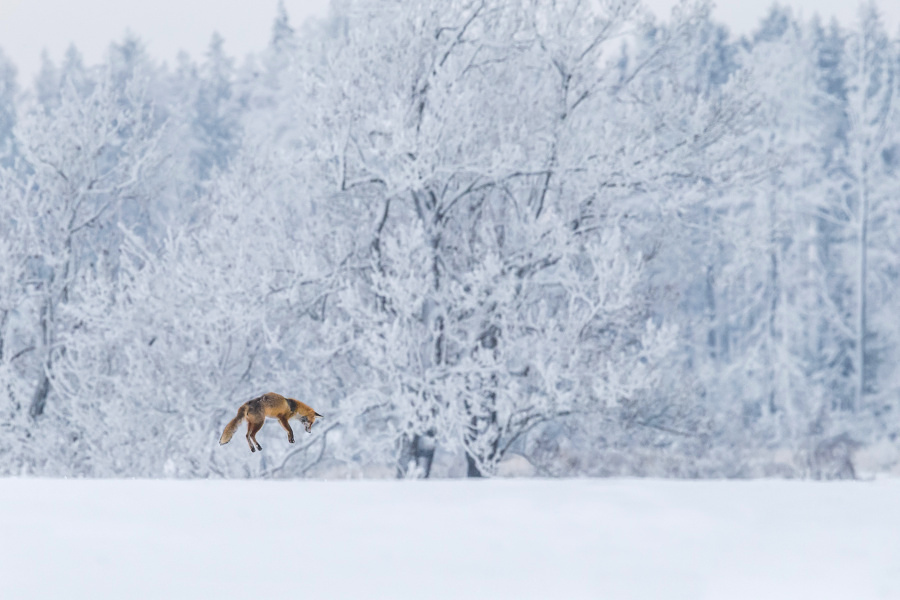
[[481, 237]]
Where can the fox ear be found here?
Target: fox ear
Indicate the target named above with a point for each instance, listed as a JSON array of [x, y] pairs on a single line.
[[317, 414]]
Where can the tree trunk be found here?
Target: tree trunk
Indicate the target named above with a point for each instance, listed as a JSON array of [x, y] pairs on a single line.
[[773, 305], [416, 453], [39, 400], [472, 469], [861, 291]]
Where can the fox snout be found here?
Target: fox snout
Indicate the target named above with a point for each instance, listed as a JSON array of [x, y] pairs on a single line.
[[308, 421]]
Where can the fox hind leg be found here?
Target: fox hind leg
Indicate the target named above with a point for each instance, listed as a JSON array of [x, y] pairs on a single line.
[[256, 416], [249, 441], [252, 431], [253, 428]]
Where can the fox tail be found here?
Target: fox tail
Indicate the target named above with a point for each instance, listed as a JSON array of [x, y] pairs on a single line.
[[233, 425]]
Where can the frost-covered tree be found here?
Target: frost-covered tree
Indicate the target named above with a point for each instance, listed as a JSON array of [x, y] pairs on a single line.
[[872, 105], [607, 243], [467, 239], [83, 171], [215, 113], [8, 92]]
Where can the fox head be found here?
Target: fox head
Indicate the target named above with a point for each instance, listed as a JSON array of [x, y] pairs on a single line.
[[309, 420]]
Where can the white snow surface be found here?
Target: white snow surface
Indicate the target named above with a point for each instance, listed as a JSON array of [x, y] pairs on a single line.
[[501, 538]]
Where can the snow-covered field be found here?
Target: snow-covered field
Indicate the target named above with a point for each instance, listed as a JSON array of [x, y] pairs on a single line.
[[549, 539]]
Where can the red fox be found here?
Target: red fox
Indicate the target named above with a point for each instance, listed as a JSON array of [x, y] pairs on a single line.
[[269, 405]]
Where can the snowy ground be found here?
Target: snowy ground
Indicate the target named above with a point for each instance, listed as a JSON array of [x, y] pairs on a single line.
[[548, 539]]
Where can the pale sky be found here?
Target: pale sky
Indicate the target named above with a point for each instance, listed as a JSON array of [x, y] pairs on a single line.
[[166, 26]]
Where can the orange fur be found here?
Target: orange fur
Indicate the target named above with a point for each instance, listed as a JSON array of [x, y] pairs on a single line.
[[270, 405]]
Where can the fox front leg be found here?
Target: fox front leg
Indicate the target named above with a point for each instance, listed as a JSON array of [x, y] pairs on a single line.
[[287, 427]]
